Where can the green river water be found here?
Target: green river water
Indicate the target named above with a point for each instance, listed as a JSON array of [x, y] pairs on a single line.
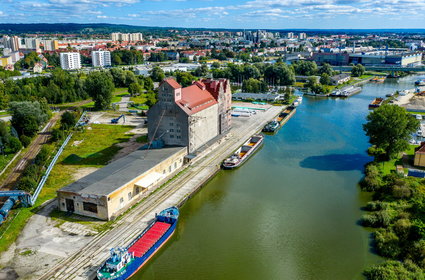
[[291, 211]]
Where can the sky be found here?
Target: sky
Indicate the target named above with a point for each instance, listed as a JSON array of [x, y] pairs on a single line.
[[251, 14]]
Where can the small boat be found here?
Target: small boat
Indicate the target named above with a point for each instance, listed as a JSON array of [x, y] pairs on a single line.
[[296, 104], [420, 82], [271, 126], [300, 99], [376, 103], [244, 152], [124, 262]]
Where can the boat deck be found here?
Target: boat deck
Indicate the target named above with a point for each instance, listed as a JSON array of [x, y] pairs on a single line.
[[149, 239]]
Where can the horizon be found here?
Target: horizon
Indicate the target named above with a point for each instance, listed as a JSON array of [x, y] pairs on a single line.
[[220, 14]]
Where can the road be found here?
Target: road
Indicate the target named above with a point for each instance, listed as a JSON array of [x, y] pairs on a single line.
[[32, 151], [84, 263]]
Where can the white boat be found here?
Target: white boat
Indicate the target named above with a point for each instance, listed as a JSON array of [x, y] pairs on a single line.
[[300, 99]]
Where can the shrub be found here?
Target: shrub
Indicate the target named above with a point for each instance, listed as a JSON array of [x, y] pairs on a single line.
[[57, 134], [27, 184], [32, 171], [14, 145], [387, 243], [42, 156], [393, 270], [68, 120], [25, 140]]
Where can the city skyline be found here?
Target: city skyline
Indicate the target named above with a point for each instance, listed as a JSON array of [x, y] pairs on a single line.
[[264, 14]]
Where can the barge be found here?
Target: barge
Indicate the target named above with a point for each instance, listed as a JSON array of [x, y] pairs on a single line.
[[244, 152], [377, 102], [286, 115], [271, 126], [125, 262]]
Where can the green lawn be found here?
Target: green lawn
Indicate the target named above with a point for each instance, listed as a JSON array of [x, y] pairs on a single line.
[[387, 167], [116, 97], [96, 149], [4, 160], [417, 113], [4, 113]]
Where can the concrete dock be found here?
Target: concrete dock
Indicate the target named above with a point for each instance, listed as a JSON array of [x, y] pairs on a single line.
[[84, 263]]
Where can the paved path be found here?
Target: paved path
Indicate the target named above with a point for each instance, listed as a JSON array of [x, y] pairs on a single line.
[[84, 263]]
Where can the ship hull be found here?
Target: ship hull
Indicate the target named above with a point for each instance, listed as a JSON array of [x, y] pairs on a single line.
[[246, 157]]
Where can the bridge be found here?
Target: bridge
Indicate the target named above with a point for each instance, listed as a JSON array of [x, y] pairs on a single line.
[[383, 68]]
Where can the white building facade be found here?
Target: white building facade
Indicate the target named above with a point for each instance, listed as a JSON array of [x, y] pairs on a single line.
[[101, 58], [70, 60]]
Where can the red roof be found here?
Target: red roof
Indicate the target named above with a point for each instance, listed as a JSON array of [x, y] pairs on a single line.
[[195, 99], [421, 149], [173, 83]]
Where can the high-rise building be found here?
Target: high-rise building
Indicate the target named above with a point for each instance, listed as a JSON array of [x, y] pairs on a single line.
[[70, 60], [50, 45], [11, 43], [302, 36], [101, 58], [127, 37], [290, 35]]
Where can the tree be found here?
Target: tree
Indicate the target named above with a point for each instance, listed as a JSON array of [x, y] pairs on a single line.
[[357, 70], [100, 85], [325, 79], [27, 116], [14, 145], [215, 65], [305, 68], [326, 68], [135, 89], [27, 184], [393, 270], [157, 74], [254, 86], [184, 78], [201, 71], [68, 120], [389, 128]]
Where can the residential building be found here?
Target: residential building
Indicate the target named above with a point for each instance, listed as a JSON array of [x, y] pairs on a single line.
[[50, 45], [127, 37], [340, 79], [302, 36], [11, 43], [190, 116], [70, 60], [290, 35], [5, 60], [101, 58], [38, 68], [111, 190]]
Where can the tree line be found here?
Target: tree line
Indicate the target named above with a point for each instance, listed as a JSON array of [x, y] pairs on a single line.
[[397, 211]]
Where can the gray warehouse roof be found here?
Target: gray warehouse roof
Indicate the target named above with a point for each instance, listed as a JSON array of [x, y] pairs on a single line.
[[113, 176]]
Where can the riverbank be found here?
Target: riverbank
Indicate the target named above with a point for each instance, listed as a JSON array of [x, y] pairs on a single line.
[[81, 260]]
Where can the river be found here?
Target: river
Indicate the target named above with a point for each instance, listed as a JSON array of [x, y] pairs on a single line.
[[291, 211]]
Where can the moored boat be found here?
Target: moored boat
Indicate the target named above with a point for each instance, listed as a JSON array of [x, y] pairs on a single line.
[[420, 82], [376, 103], [271, 126], [124, 262], [244, 152]]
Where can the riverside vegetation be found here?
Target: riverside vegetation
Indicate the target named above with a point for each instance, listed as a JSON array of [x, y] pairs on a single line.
[[397, 211]]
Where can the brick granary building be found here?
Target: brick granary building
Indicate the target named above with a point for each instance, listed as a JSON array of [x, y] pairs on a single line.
[[190, 116]]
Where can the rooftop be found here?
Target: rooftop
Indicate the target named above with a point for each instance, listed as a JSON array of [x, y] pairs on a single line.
[[120, 172]]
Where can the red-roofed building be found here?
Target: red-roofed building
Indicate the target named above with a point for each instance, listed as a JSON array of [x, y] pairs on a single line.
[[190, 116], [420, 156]]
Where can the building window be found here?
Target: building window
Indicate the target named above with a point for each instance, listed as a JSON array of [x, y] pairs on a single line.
[[175, 165], [171, 124], [171, 135], [137, 190], [90, 207], [169, 168], [178, 137], [122, 200], [129, 196], [171, 130], [163, 171]]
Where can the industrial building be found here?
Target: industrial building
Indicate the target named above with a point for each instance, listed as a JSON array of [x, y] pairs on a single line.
[[111, 190], [190, 116]]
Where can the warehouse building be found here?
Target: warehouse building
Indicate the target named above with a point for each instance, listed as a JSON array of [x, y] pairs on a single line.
[[190, 116], [109, 191]]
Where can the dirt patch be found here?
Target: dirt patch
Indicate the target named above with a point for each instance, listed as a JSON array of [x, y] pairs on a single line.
[[82, 172], [128, 147]]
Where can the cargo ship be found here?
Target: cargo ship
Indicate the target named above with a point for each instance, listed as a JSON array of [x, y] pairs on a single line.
[[376, 103], [244, 152], [271, 126], [286, 115], [125, 262]]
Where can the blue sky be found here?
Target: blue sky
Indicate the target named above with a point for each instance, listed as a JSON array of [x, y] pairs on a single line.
[[273, 14]]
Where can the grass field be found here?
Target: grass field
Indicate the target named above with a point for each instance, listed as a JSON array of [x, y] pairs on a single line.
[[4, 160], [95, 149], [387, 167], [116, 97]]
